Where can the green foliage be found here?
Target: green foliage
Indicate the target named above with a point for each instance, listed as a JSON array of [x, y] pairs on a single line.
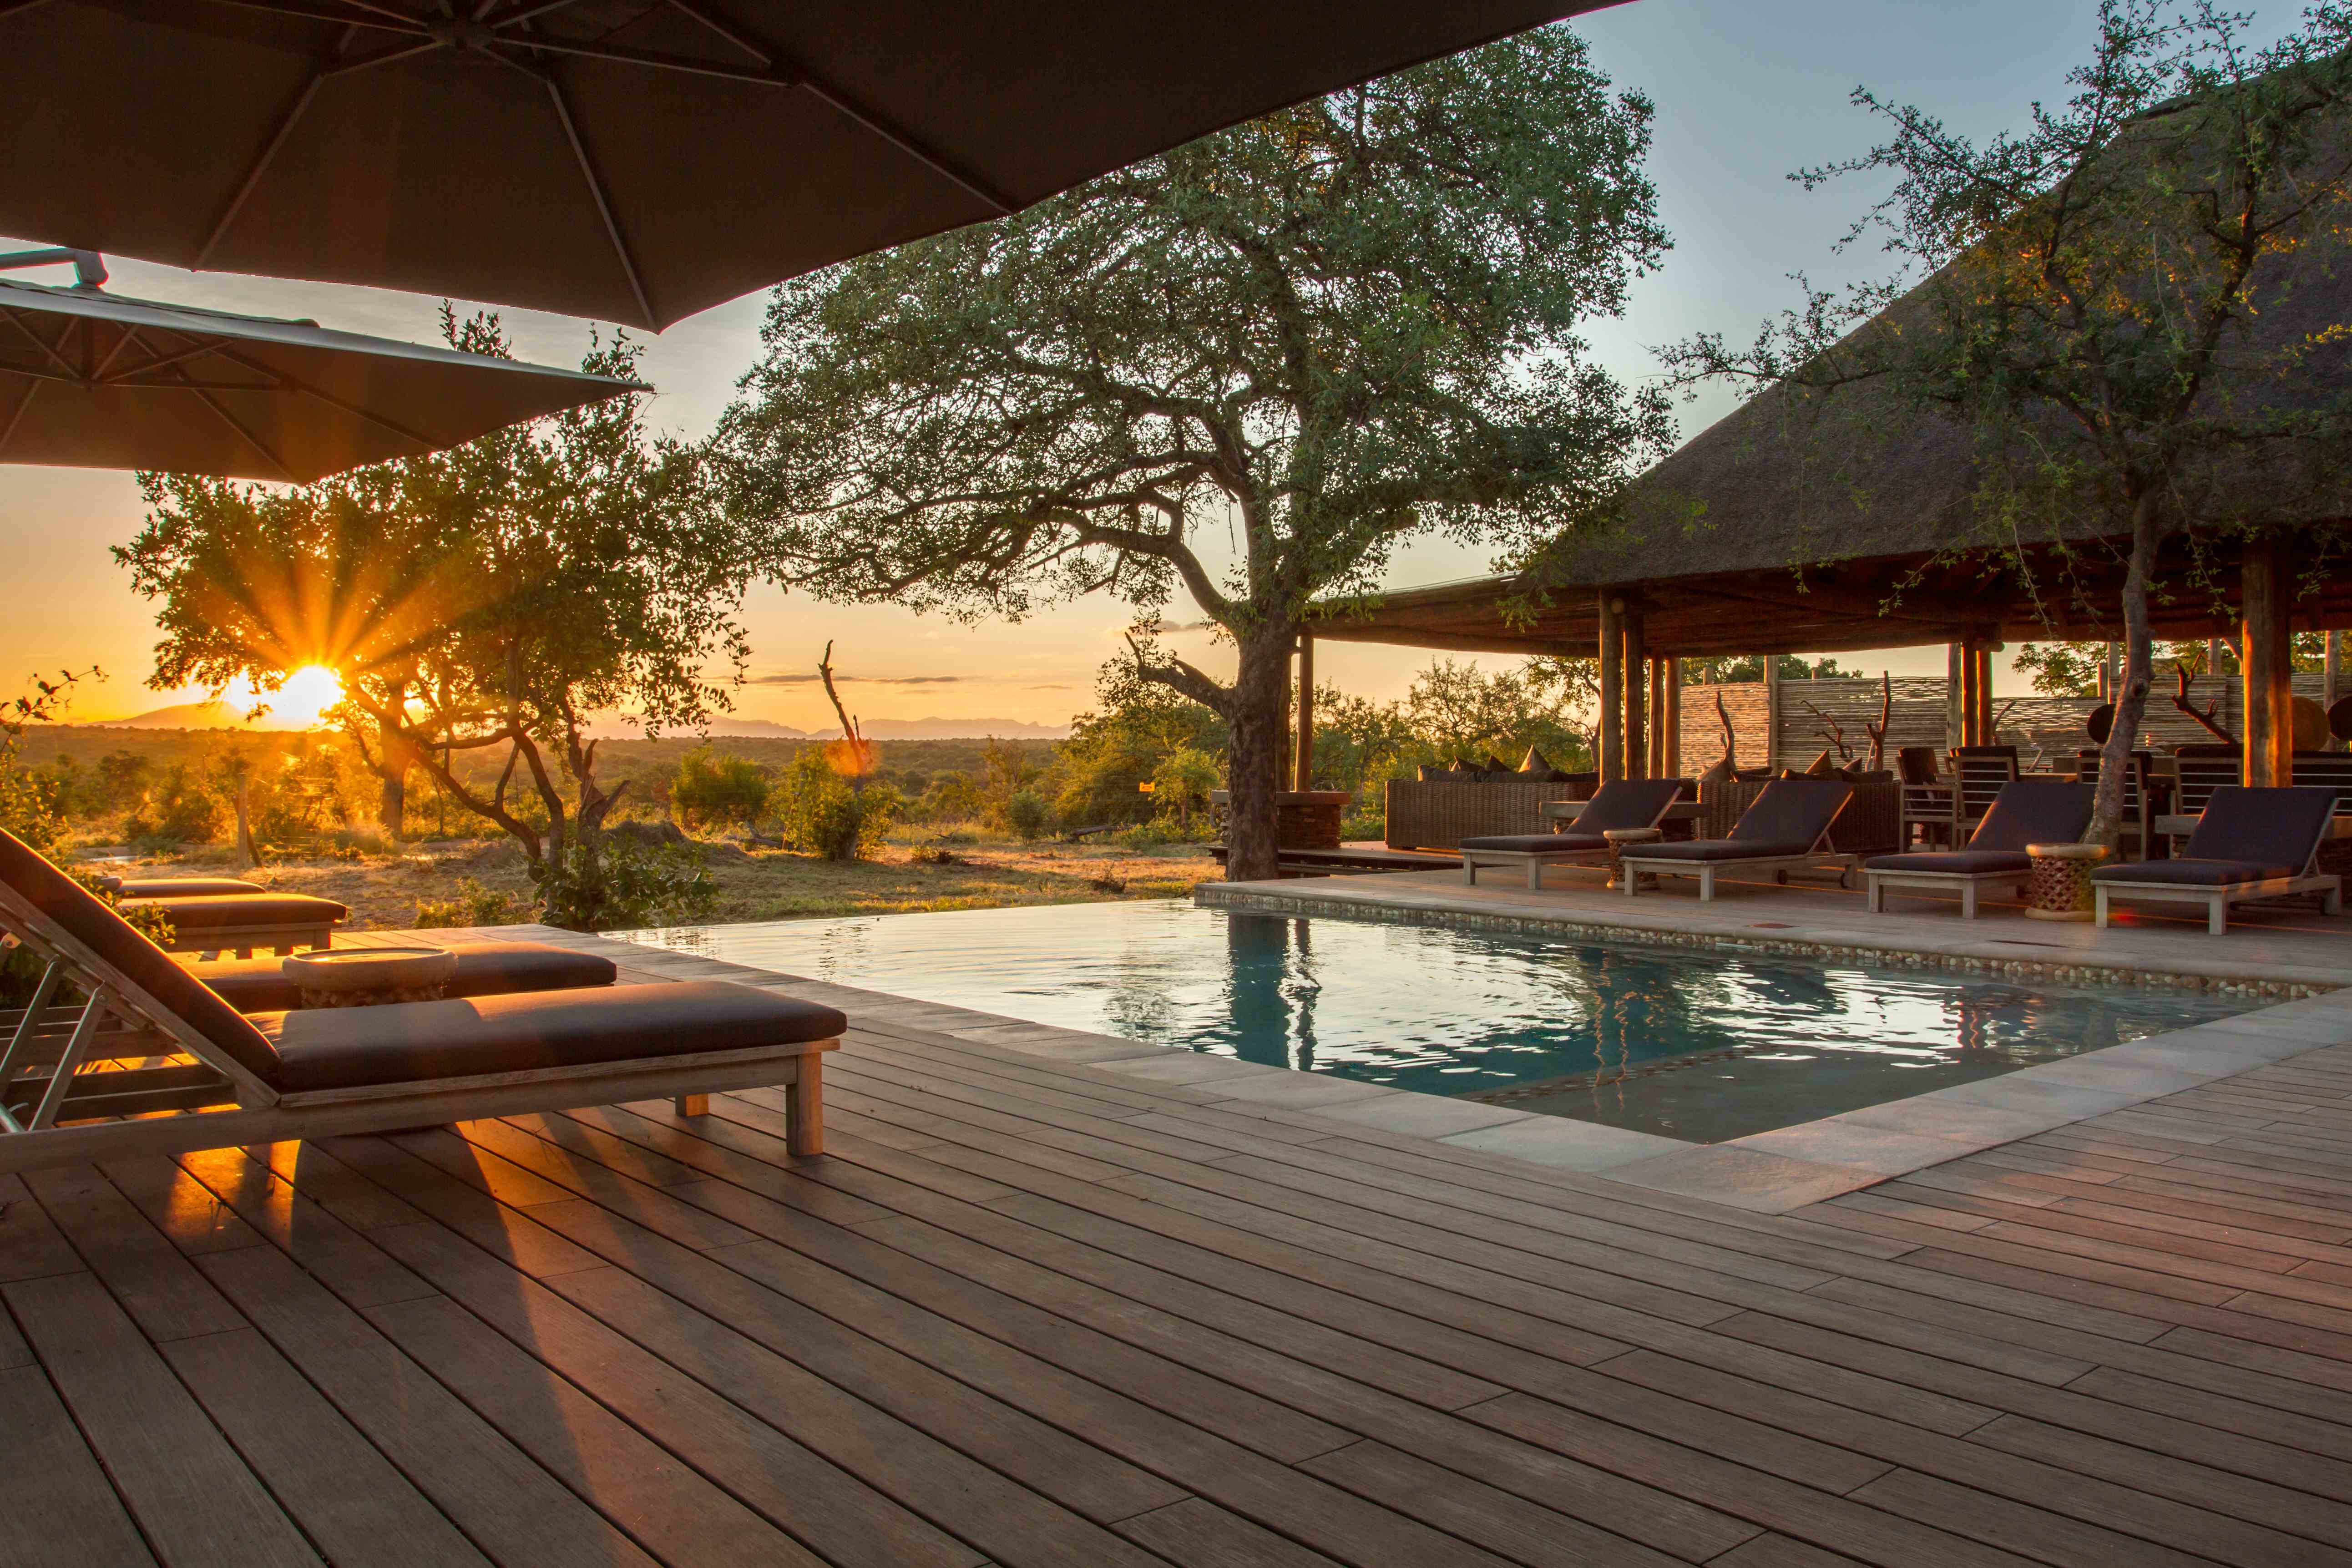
[[20, 972], [1464, 713], [1180, 786], [180, 808], [31, 805], [1026, 814], [819, 813], [1121, 745], [626, 885], [475, 905], [1338, 327], [1725, 670], [953, 796], [719, 788]]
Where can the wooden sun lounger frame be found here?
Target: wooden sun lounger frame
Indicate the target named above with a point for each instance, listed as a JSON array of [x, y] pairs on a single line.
[[1634, 866], [2217, 899], [241, 941], [1537, 860], [121, 1022], [1965, 882]]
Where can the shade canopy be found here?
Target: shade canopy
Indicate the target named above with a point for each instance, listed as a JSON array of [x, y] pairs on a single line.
[[91, 380], [636, 161]]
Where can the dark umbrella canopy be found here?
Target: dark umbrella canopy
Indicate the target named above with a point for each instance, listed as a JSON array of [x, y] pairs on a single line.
[[633, 160], [89, 379]]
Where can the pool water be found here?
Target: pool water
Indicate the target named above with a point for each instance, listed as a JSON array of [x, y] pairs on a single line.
[[1687, 1043]]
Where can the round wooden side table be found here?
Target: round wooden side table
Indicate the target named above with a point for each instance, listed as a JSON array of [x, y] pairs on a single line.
[[365, 976], [2060, 885], [1619, 837]]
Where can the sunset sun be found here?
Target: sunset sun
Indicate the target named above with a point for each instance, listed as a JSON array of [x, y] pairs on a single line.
[[306, 694]]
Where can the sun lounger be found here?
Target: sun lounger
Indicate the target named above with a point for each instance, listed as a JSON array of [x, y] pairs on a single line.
[[1786, 829], [179, 886], [2249, 844], [484, 969], [2026, 811], [325, 1071], [240, 922], [1626, 802]]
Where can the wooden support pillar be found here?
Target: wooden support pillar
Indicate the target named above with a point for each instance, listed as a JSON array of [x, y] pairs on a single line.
[[1637, 693], [1669, 719], [1954, 703], [1986, 736], [1303, 750], [2265, 662], [1964, 657], [1610, 727], [1772, 710], [2331, 685]]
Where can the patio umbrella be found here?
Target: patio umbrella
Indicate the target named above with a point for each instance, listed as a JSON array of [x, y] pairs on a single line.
[[89, 379], [636, 161]]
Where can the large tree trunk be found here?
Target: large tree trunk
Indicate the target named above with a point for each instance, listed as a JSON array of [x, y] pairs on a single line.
[[1260, 719], [2139, 672], [392, 800]]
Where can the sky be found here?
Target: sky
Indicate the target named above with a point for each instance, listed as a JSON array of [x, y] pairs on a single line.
[[1744, 94]]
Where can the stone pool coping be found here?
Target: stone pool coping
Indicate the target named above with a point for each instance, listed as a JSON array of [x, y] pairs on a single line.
[[1728, 926], [1767, 1173]]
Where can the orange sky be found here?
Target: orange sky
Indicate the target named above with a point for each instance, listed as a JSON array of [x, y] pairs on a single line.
[[1744, 94]]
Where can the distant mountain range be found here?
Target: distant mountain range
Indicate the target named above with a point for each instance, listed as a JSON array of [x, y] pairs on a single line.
[[221, 716]]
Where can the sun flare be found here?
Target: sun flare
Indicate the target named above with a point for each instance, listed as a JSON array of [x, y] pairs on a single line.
[[307, 693]]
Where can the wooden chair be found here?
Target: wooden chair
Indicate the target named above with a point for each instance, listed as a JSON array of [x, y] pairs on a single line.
[[2139, 798], [1928, 804], [2328, 770], [115, 1028], [1979, 773], [2205, 766]]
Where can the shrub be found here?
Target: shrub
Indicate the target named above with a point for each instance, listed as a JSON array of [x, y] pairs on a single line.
[[1025, 813], [624, 884], [20, 970], [178, 810], [954, 797], [714, 788], [820, 814], [475, 905], [1181, 783]]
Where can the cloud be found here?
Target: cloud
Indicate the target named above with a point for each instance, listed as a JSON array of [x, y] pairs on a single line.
[[865, 679]]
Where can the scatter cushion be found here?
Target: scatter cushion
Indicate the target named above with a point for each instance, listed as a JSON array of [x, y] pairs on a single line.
[[1966, 862], [1721, 773], [1536, 763], [1820, 767], [2193, 873], [1430, 773], [1537, 843], [1497, 766], [179, 886], [243, 909], [1719, 849], [406, 1042], [487, 969]]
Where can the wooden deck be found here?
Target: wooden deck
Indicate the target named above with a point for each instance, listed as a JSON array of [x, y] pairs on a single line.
[[1031, 1312]]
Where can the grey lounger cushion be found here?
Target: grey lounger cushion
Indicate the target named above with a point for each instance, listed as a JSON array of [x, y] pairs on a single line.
[[2034, 811], [2264, 827], [1964, 862], [1722, 849], [1537, 843], [489, 969], [403, 1042], [221, 913], [178, 886]]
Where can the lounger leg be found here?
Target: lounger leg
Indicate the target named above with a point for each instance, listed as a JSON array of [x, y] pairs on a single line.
[[1707, 884], [1469, 872], [693, 1104], [2332, 901], [1535, 875], [2099, 908], [2217, 915], [804, 1109], [1878, 897], [1968, 900]]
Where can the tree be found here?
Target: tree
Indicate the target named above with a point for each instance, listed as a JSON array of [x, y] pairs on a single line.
[[718, 788], [1465, 712], [1308, 338], [2091, 286], [500, 594]]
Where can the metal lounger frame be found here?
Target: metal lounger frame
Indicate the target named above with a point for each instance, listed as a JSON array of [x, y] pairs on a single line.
[[1966, 882], [120, 1022]]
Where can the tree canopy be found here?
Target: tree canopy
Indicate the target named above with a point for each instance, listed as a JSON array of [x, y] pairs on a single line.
[[500, 594], [1249, 368]]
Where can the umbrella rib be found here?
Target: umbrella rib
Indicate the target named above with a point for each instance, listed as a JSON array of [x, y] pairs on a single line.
[[250, 439], [596, 194], [65, 366], [297, 385], [161, 361]]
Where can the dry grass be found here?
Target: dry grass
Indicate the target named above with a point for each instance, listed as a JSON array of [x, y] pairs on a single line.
[[383, 890]]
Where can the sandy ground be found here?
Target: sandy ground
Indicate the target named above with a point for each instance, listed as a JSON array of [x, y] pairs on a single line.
[[383, 890]]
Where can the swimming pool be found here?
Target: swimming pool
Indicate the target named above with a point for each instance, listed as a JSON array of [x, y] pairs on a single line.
[[1689, 1044]]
